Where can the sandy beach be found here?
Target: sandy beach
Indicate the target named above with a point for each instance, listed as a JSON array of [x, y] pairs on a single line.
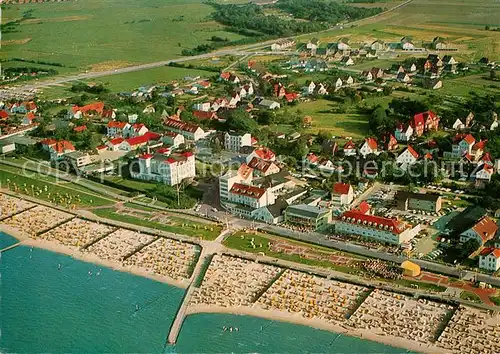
[[298, 319], [88, 257]]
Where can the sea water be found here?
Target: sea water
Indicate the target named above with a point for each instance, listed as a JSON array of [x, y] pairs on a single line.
[[80, 307]]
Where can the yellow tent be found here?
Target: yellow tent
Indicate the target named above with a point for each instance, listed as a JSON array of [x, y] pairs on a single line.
[[410, 269]]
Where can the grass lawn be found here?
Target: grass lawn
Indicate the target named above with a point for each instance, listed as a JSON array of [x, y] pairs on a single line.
[[107, 34], [495, 300], [469, 296], [56, 193], [235, 241], [421, 285], [140, 186], [187, 227], [348, 124]]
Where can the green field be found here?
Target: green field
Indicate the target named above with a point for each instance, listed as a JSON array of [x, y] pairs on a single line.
[[178, 225], [106, 34], [470, 296], [47, 188]]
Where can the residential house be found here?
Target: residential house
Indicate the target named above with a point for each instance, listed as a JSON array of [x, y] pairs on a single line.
[[149, 109], [482, 231], [313, 44], [262, 167], [202, 106], [268, 104], [350, 148], [370, 146], [397, 69], [342, 193], [377, 45], [171, 169], [309, 88], [407, 158], [271, 214], [4, 115], [59, 149], [115, 144], [338, 83], [367, 75], [234, 141], [80, 128], [482, 175], [322, 90], [291, 97], [117, 128], [279, 90], [377, 73], [458, 125], [283, 44], [137, 129], [173, 139], [462, 144], [229, 77], [404, 78], [418, 201], [343, 44], [234, 100], [391, 143], [438, 43], [188, 130], [219, 103], [407, 43], [433, 84], [393, 231], [348, 80], [109, 114], [308, 216], [136, 142], [87, 110], [261, 153], [469, 120], [450, 64], [489, 259], [28, 118], [251, 196], [243, 175], [202, 115], [346, 61], [7, 146]]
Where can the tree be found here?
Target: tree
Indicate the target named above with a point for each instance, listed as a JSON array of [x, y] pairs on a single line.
[[380, 122], [240, 121], [299, 150]]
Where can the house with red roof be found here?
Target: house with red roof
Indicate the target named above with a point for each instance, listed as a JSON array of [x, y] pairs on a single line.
[[391, 143], [108, 114], [291, 97], [418, 124], [29, 118], [263, 167], [462, 144], [48, 143], [22, 107], [350, 148], [482, 231], [407, 158], [263, 153], [59, 149], [486, 159], [4, 115], [189, 131], [170, 169], [279, 90], [136, 142], [205, 115], [115, 144], [311, 159], [489, 259], [219, 103], [370, 146], [251, 196], [80, 128], [133, 130], [478, 149], [342, 193], [89, 110], [234, 100], [482, 175], [378, 228], [364, 208], [429, 119], [229, 77], [115, 128]]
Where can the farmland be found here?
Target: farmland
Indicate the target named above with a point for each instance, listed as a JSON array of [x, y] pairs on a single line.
[[99, 35]]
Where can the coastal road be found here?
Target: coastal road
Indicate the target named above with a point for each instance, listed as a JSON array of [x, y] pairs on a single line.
[[241, 50]]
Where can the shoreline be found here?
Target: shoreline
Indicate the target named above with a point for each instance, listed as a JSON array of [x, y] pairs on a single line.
[[74, 253], [293, 318]]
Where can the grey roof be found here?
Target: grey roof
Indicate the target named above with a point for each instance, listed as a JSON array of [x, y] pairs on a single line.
[[5, 142], [421, 196], [306, 210], [466, 219], [277, 208]]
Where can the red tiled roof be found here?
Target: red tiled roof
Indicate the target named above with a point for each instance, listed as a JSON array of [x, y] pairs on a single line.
[[485, 228], [353, 216], [62, 146], [259, 164], [245, 170], [180, 125], [372, 143], [30, 116], [312, 158], [48, 141], [225, 75], [248, 191], [469, 139], [480, 145], [418, 120], [291, 96], [97, 107], [4, 114], [163, 150], [146, 156], [428, 156], [116, 141], [486, 157], [80, 128], [349, 145], [495, 252], [264, 153], [205, 115], [117, 124], [364, 207], [143, 138], [101, 147], [341, 188], [412, 151], [107, 113]]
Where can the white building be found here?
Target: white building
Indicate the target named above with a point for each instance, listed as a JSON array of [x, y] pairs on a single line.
[[458, 125], [381, 229], [202, 106], [189, 131], [483, 231], [173, 139], [403, 133], [115, 128], [282, 44], [171, 170], [234, 142], [269, 104], [134, 130], [243, 175], [350, 148], [261, 153], [407, 158], [462, 145], [251, 196], [489, 259], [370, 146], [78, 159], [342, 193]]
